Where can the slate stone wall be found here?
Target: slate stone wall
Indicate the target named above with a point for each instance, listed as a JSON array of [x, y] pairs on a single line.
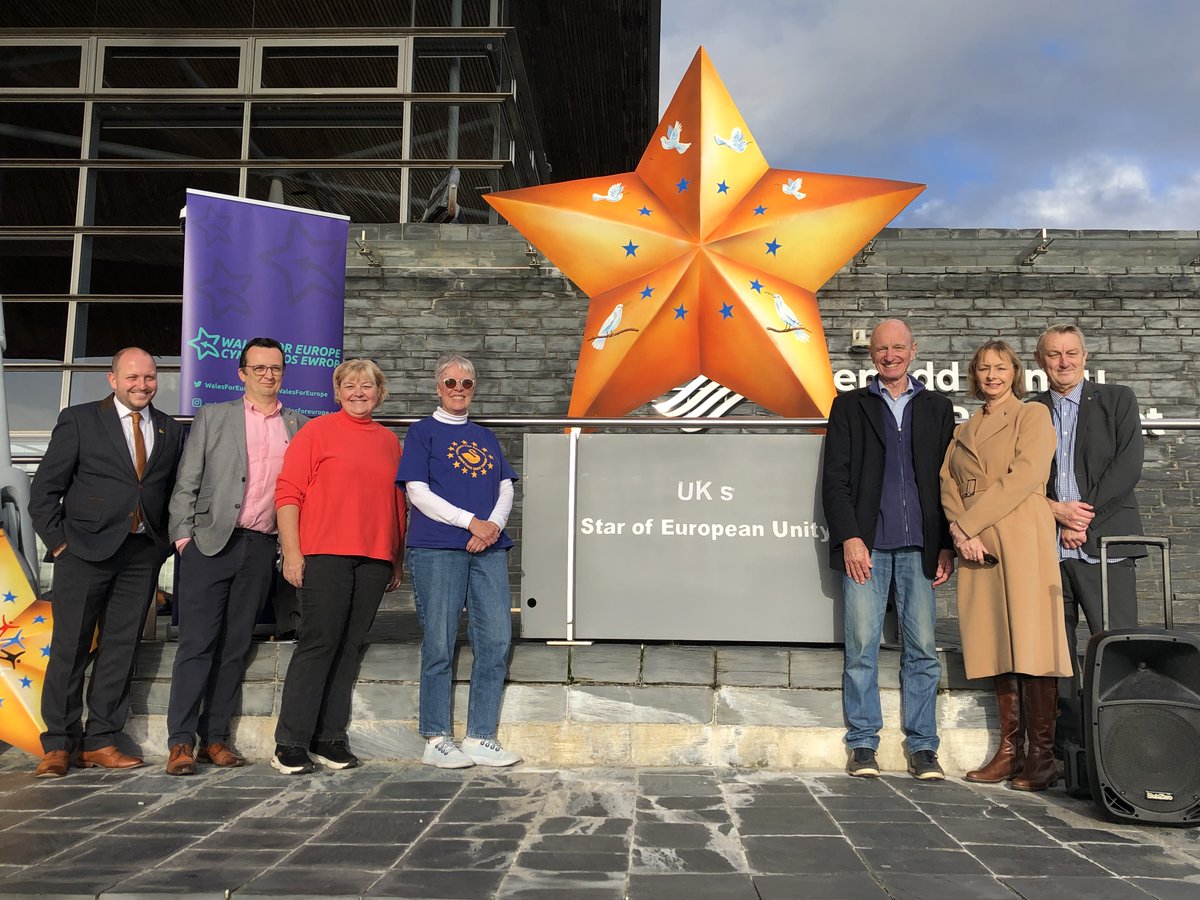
[[1135, 294]]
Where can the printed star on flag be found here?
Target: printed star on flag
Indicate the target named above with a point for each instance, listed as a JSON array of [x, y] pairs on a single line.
[[703, 251]]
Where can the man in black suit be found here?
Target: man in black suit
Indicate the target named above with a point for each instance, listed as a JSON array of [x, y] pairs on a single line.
[[1096, 468], [99, 503], [882, 496]]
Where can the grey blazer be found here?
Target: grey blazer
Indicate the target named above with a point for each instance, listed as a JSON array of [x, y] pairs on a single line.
[[211, 483], [1108, 461]]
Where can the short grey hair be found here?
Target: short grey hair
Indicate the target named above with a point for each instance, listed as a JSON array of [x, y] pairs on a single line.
[[1062, 328], [449, 361]]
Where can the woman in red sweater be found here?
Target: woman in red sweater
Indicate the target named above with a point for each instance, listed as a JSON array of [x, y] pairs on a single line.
[[341, 528]]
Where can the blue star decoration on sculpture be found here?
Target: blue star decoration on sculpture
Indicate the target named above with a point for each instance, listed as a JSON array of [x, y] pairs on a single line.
[[644, 211], [680, 312], [682, 186], [39, 620], [756, 285], [726, 311], [25, 681], [722, 188], [646, 292], [630, 249], [46, 650], [10, 597], [205, 344], [773, 246], [759, 210]]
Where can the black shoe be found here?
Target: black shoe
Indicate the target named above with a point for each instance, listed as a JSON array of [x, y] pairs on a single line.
[[292, 761], [334, 754], [863, 763], [923, 764]]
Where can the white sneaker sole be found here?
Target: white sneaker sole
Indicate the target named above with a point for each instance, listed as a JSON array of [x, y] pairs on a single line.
[[493, 761], [289, 770], [440, 762], [336, 766]]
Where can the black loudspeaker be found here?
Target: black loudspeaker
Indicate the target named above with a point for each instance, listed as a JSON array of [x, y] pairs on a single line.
[[1142, 715]]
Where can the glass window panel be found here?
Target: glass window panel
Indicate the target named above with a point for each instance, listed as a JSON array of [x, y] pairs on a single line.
[[145, 264], [88, 386], [177, 68], [327, 131], [296, 66], [365, 195], [40, 130], [473, 184], [36, 332], [33, 399], [462, 131], [38, 196], [460, 65], [101, 329], [168, 131], [47, 65], [344, 14], [153, 196], [36, 266], [440, 13]]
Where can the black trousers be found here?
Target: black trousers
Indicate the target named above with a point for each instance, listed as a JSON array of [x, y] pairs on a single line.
[[338, 602], [1081, 591], [219, 601], [114, 594]]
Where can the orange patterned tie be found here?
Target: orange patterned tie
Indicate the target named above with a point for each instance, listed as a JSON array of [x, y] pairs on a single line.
[[139, 462]]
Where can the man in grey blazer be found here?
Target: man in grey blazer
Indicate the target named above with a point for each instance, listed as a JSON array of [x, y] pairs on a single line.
[[99, 503], [223, 526], [1097, 465]]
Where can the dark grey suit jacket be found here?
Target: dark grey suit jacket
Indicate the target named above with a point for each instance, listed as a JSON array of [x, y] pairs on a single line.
[[211, 485], [86, 489], [1108, 461]]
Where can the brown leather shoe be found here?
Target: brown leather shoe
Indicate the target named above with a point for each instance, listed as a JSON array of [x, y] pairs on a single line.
[[54, 764], [181, 761], [220, 754], [108, 758]]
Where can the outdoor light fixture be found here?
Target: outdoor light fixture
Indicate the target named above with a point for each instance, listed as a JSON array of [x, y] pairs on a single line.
[[1039, 247], [865, 254], [534, 262], [860, 340], [365, 251]]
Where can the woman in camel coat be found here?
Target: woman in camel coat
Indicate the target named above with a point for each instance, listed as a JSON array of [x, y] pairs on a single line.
[[1010, 605]]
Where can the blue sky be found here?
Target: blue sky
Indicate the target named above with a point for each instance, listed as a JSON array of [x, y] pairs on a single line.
[[1016, 114]]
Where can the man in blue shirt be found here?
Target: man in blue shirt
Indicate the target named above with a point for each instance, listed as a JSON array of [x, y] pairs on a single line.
[[888, 536], [1096, 468]]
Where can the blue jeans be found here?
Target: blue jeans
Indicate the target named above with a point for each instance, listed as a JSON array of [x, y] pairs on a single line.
[[920, 669], [444, 581]]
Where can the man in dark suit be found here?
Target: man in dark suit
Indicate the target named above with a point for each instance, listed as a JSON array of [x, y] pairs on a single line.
[[882, 496], [1096, 468], [223, 525], [99, 503]]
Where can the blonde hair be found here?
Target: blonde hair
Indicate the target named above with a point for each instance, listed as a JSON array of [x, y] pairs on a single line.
[[360, 367], [1003, 349]]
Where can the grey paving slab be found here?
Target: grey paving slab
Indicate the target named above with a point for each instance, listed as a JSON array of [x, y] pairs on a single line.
[[860, 886], [1074, 888], [801, 856], [907, 836], [1058, 861], [789, 707], [679, 665], [443, 853], [692, 887], [753, 666], [807, 819], [538, 663], [929, 862], [944, 887], [424, 884], [650, 704], [610, 663], [297, 882], [1138, 860], [533, 884], [1167, 890]]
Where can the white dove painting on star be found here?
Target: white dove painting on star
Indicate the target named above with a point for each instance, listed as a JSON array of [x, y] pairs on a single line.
[[790, 320], [793, 188], [609, 326], [735, 142], [671, 141], [614, 195]]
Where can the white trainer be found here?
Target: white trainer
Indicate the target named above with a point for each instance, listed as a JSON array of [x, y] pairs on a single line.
[[488, 752], [445, 755]]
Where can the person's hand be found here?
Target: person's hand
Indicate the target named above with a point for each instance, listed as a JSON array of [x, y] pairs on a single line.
[[485, 530], [858, 560], [1072, 538], [972, 550], [58, 551], [477, 545], [293, 570], [945, 567], [1073, 514], [397, 577]]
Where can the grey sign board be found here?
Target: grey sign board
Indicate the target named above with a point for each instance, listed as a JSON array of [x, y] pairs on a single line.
[[689, 537]]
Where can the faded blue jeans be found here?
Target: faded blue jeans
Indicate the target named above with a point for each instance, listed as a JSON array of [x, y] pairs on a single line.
[[444, 582], [920, 669]]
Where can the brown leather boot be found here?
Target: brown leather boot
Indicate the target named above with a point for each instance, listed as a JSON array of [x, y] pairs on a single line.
[[1010, 755], [1039, 698]]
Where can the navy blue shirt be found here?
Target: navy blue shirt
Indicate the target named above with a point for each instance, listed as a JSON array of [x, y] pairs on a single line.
[[900, 522]]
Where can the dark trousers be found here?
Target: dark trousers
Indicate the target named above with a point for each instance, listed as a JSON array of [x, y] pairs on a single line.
[[219, 601], [113, 593], [338, 602], [1081, 591]]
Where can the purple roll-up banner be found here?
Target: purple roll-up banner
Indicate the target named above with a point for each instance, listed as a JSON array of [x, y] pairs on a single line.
[[254, 269]]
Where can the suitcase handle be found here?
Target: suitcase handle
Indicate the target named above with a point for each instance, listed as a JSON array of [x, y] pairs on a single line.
[[1164, 544]]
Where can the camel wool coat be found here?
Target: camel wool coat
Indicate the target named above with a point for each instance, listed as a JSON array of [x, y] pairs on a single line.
[[994, 486]]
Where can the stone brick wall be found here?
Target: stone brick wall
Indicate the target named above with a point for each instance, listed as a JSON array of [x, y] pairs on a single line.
[[1135, 294]]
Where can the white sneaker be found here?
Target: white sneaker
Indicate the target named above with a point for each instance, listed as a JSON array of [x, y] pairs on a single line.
[[488, 752], [445, 755]]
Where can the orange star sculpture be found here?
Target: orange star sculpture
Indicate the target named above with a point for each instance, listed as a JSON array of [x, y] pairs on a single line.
[[704, 261], [25, 626]]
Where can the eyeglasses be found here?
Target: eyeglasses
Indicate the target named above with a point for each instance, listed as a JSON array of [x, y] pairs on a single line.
[[452, 383], [260, 371]]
